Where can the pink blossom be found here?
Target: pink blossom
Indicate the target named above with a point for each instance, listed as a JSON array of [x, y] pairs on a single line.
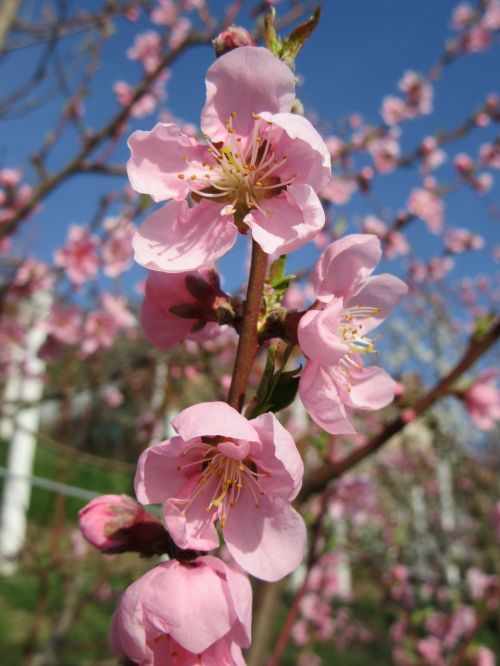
[[180, 306], [463, 164], [117, 248], [484, 657], [430, 649], [460, 240], [489, 154], [483, 183], [181, 614], [462, 16], [147, 49], [165, 13], [263, 178], [108, 521], [144, 106], [418, 93], [243, 473], [480, 583], [427, 205], [79, 256], [116, 306], [482, 400], [64, 323], [333, 336], [395, 242], [393, 110], [339, 190], [232, 38], [385, 152], [113, 397], [179, 32], [99, 332], [9, 178], [432, 155], [491, 18], [32, 276]]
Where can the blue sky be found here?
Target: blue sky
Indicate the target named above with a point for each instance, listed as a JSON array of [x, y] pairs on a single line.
[[356, 57]]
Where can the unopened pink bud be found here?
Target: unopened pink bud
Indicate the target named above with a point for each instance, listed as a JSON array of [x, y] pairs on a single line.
[[231, 39], [117, 523]]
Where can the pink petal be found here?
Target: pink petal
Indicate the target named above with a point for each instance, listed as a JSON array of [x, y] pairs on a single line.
[[380, 291], [318, 392], [245, 81], [317, 333], [241, 597], [194, 594], [343, 262], [307, 156], [209, 419], [177, 239], [371, 388], [279, 456], [157, 477], [158, 156], [267, 542], [191, 527], [292, 219], [127, 633], [161, 327], [236, 450]]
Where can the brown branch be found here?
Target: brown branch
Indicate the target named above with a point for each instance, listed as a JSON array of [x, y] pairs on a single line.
[[108, 131], [477, 347], [249, 338]]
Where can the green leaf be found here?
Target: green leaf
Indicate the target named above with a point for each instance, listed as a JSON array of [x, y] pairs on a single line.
[[277, 270], [482, 324], [278, 280], [271, 39], [277, 389], [285, 390], [145, 203], [267, 377], [298, 37]]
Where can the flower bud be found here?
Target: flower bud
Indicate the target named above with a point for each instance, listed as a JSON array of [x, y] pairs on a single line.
[[117, 523], [231, 39]]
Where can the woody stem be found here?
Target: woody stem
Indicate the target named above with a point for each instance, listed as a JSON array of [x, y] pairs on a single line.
[[248, 343]]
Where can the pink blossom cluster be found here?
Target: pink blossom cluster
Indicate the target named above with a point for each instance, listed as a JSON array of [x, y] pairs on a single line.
[[13, 194], [84, 253], [476, 25], [334, 334], [427, 204], [466, 168], [318, 620], [417, 101], [222, 474]]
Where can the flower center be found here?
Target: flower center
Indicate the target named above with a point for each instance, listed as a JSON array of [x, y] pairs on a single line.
[[225, 476], [349, 331], [243, 173]]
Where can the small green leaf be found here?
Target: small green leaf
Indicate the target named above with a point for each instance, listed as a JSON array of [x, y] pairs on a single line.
[[145, 203], [277, 270], [278, 280], [482, 324], [285, 390], [267, 376], [271, 39], [298, 37]]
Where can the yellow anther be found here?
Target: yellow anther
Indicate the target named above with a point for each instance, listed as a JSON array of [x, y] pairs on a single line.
[[181, 176], [193, 177]]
